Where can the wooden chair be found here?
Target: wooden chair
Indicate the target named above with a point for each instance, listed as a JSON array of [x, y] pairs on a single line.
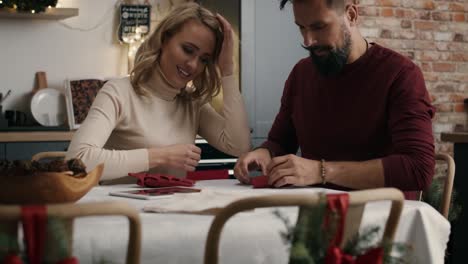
[[10, 215], [444, 204], [358, 198]]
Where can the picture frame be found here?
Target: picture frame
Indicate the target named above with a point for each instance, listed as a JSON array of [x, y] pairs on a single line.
[[79, 95]]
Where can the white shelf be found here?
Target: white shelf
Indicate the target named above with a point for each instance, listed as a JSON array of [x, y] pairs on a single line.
[[49, 13]]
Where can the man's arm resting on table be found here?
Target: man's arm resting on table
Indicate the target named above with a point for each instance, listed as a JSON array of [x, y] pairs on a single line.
[[355, 175], [294, 170]]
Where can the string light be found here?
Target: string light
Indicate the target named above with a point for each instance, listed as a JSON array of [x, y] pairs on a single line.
[[33, 11], [1, 2]]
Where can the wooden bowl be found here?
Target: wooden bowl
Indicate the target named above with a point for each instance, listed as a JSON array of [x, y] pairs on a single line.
[[47, 187]]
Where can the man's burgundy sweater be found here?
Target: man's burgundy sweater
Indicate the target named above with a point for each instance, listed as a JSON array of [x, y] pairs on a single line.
[[377, 107]]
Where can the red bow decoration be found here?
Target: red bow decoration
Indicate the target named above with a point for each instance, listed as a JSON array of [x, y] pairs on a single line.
[[12, 259], [160, 180], [339, 203], [34, 220], [71, 260], [336, 256]]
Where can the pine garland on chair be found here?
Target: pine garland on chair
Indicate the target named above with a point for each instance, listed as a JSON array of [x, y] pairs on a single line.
[[308, 241], [58, 234], [28, 5], [8, 245], [434, 195]]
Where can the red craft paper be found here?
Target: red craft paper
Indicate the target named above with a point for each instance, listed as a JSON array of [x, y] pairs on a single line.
[[260, 182], [160, 180], [208, 175]]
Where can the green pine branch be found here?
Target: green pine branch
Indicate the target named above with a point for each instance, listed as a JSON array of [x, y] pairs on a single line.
[[433, 196], [309, 240]]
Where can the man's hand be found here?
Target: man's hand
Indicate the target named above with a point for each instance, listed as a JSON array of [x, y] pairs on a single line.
[[180, 156], [254, 160], [293, 170]]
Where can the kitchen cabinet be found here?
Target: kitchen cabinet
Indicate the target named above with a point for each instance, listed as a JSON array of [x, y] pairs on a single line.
[[23, 145], [25, 150], [213, 159]]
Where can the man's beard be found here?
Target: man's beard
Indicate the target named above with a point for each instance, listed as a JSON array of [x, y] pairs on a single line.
[[336, 59]]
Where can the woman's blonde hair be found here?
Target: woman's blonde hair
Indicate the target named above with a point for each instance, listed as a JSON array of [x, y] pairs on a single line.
[[207, 84]]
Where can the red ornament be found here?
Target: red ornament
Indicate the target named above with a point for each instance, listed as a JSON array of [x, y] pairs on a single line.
[[12, 259]]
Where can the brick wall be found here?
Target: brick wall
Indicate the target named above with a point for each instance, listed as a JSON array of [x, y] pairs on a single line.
[[434, 34]]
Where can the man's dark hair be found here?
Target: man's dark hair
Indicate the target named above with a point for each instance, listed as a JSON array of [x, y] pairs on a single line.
[[334, 4]]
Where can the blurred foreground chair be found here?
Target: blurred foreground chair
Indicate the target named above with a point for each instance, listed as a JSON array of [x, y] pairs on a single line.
[[357, 199], [42, 245]]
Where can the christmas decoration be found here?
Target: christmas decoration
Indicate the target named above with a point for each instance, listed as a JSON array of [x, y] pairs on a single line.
[[433, 197], [46, 239], [34, 6], [319, 230]]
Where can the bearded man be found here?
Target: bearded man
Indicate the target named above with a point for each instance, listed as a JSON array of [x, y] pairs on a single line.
[[359, 112]]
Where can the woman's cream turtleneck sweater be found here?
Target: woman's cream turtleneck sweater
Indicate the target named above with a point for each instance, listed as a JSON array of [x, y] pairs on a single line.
[[121, 125]]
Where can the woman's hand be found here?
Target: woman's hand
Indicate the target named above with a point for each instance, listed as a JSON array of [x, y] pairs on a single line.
[[181, 156], [225, 60]]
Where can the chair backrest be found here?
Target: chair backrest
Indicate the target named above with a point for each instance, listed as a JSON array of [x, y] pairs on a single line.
[[355, 198], [444, 206], [12, 214], [48, 155]]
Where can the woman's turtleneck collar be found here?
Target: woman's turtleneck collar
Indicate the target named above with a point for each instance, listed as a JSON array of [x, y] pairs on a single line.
[[160, 86]]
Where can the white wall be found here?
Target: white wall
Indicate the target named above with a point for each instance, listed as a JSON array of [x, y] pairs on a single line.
[[270, 48], [28, 46]]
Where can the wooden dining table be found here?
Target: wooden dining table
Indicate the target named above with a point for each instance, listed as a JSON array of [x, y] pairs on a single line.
[[249, 237]]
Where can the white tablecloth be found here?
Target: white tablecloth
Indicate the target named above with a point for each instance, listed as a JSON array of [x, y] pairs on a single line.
[[251, 237]]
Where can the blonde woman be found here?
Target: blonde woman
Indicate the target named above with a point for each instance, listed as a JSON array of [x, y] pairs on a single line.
[[149, 121]]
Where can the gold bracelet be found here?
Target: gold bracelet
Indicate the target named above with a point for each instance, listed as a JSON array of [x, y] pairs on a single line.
[[323, 171]]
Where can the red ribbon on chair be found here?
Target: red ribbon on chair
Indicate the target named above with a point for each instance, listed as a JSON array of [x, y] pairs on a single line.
[[12, 259], [71, 260], [336, 256], [34, 220], [339, 203]]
